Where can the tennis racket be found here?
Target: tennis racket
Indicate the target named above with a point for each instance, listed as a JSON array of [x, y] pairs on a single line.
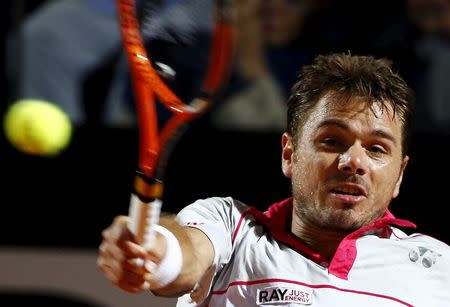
[[159, 23]]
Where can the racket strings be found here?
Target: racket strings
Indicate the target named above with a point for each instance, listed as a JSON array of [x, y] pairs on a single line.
[[176, 21], [150, 87]]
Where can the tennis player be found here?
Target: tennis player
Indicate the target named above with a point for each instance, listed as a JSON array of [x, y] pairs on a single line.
[[334, 242]]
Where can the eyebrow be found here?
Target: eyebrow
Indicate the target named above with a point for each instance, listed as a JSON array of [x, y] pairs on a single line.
[[343, 125]]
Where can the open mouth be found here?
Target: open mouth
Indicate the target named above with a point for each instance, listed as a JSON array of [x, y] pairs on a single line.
[[349, 193]]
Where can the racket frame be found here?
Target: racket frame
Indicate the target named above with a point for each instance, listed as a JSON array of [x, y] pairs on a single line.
[[154, 147]]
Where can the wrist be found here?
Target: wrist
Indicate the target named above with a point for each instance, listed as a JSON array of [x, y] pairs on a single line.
[[171, 264]]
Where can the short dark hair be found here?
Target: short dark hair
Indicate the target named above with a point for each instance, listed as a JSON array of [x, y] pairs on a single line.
[[348, 76]]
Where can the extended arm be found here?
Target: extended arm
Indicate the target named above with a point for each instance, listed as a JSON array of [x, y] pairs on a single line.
[[119, 258]]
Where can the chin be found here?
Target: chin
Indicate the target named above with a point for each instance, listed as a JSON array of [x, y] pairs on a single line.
[[349, 220], [342, 220]]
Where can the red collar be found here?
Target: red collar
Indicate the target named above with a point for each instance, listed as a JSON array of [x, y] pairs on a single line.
[[277, 220]]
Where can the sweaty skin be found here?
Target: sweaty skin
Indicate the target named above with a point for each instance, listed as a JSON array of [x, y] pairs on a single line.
[[346, 165]]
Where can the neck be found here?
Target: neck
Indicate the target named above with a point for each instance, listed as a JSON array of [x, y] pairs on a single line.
[[321, 240]]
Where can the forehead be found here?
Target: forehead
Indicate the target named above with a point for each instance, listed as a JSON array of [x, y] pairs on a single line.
[[356, 113]]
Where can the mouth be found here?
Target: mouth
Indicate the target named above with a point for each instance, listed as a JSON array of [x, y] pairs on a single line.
[[349, 193]]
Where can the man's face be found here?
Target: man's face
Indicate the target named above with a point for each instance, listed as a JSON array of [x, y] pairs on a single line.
[[346, 164]]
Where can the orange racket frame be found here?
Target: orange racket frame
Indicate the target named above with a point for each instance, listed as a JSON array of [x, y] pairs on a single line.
[[149, 87]]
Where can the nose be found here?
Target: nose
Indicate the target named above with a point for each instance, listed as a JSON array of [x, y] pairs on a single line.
[[353, 161]]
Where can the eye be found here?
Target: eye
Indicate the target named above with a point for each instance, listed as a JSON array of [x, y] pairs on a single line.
[[378, 149], [329, 141]]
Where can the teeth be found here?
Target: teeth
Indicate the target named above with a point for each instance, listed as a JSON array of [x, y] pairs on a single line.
[[347, 191]]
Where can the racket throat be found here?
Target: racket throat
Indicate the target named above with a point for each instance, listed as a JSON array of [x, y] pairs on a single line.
[[145, 208], [147, 188]]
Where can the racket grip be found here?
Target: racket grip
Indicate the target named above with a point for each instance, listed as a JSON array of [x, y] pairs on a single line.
[[143, 216]]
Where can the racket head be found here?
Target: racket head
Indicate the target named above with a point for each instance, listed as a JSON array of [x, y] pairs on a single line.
[[179, 54]]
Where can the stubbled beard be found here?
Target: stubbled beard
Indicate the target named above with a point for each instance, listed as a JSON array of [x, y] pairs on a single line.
[[327, 218], [332, 219]]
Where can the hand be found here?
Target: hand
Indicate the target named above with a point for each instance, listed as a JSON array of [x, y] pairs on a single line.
[[121, 259]]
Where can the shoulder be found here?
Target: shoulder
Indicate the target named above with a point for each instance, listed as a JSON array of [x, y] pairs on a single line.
[[423, 241], [214, 209], [437, 244], [218, 203]]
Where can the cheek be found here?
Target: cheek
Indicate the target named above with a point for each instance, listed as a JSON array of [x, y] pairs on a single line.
[[385, 172], [310, 170], [388, 180], [384, 180]]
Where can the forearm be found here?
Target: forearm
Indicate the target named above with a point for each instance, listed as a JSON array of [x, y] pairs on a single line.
[[197, 257]]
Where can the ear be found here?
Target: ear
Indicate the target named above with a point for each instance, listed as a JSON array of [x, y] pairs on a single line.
[[400, 177], [287, 154]]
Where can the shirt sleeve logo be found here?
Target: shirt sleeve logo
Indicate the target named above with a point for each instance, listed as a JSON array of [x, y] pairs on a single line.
[[193, 223], [292, 295]]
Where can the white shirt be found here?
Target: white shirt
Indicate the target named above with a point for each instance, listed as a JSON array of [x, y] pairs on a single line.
[[259, 262]]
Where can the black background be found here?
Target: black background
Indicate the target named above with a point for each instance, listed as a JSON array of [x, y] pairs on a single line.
[[68, 200]]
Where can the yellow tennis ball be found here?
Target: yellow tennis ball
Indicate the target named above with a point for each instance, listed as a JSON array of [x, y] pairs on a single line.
[[37, 127]]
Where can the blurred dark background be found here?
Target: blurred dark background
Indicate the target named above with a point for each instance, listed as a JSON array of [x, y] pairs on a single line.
[[68, 200], [62, 204]]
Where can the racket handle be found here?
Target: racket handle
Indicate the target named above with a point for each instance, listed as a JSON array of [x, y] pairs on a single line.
[[143, 215]]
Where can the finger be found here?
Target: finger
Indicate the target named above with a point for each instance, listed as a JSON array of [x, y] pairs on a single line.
[[121, 250], [125, 274], [117, 230], [111, 259], [110, 274], [158, 251], [127, 281], [131, 279], [136, 266], [131, 249], [110, 268], [111, 252], [116, 259], [104, 257], [152, 282]]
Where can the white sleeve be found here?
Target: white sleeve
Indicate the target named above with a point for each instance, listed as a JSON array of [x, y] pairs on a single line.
[[217, 218]]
